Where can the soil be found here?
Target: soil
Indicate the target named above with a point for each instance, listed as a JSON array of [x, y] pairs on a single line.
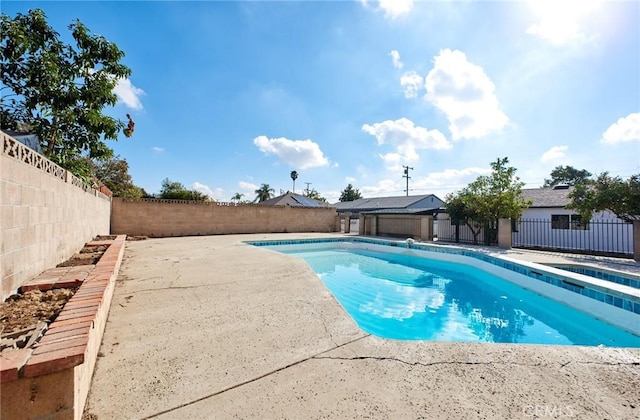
[[20, 313], [24, 310], [112, 237], [87, 255], [136, 238], [105, 238]]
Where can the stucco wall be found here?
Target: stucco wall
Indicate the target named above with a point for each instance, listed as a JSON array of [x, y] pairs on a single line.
[[46, 215], [162, 218]]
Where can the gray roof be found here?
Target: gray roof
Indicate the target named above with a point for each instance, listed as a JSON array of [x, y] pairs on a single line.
[[294, 200], [548, 197], [28, 139], [405, 211], [414, 202]]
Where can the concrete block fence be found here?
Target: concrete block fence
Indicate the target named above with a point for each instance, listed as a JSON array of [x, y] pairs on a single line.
[[46, 214]]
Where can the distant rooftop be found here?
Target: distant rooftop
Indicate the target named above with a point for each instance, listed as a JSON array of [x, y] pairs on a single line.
[[557, 196], [293, 200], [28, 139], [410, 204]]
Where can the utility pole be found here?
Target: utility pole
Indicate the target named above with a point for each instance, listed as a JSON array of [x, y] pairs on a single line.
[[406, 175], [308, 183]]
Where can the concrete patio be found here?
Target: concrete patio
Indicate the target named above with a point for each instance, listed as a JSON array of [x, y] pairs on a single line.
[[208, 327]]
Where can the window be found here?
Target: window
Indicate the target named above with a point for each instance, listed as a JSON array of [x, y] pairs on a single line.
[[566, 221], [577, 223], [559, 221]]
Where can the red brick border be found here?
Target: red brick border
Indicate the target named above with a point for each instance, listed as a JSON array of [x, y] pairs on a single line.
[[65, 343]]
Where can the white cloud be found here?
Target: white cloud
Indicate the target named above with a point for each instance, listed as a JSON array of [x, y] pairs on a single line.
[[128, 94], [395, 58], [247, 186], [464, 92], [383, 188], [158, 149], [350, 179], [412, 83], [407, 138], [299, 154], [205, 189], [439, 183], [624, 130], [452, 177], [556, 152], [391, 8], [559, 20]]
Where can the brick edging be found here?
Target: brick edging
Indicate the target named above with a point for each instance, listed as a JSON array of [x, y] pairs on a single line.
[[71, 338]]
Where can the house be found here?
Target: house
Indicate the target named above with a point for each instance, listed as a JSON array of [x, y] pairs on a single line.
[[293, 200], [550, 204], [390, 216], [28, 139], [548, 224], [415, 204]]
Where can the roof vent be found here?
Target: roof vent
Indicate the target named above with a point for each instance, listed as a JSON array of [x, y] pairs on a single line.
[[561, 187]]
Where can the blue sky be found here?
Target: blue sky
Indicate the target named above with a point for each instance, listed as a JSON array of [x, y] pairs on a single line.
[[229, 95]]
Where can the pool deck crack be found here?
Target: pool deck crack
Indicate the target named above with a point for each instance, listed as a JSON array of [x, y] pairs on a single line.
[[600, 363], [257, 378], [198, 286]]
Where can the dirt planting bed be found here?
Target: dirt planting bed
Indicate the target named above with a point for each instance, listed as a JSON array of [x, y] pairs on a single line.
[[87, 255], [25, 315]]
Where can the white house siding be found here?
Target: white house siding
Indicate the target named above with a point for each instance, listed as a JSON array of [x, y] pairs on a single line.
[[605, 233]]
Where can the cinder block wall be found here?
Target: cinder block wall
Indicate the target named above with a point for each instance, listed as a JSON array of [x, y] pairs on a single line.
[[162, 218], [45, 214], [409, 226]]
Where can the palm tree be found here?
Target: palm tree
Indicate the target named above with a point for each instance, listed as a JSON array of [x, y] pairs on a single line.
[[237, 197], [264, 193], [294, 176]]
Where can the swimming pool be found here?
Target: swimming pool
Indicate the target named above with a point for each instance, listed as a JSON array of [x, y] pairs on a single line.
[[393, 292], [626, 279]]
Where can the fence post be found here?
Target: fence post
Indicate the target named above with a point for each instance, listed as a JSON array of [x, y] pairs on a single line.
[[374, 225], [360, 224], [347, 223], [426, 228], [504, 233], [636, 240]]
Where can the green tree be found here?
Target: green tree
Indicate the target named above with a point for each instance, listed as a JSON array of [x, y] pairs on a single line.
[[315, 195], [176, 191], [114, 174], [620, 197], [264, 193], [59, 91], [567, 175], [350, 194], [488, 198], [294, 176], [237, 197]]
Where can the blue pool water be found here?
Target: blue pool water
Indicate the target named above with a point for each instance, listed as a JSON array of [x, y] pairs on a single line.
[[404, 297]]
